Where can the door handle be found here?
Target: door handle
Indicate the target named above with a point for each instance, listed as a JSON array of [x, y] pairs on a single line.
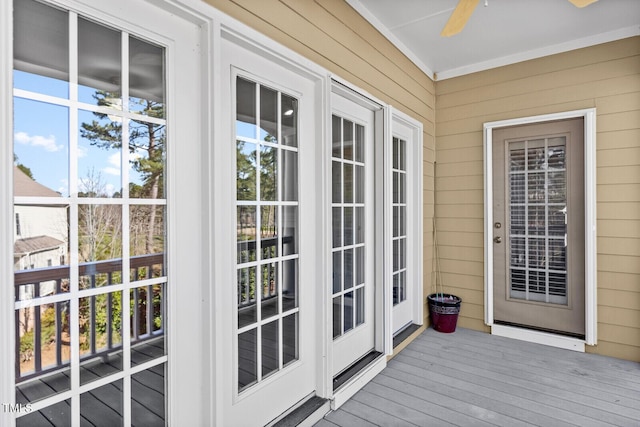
[[498, 239]]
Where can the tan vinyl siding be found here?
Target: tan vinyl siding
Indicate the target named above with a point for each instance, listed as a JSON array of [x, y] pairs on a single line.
[[333, 35], [606, 77]]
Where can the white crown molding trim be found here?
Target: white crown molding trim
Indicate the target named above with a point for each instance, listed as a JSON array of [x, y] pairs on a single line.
[[364, 12], [610, 36]]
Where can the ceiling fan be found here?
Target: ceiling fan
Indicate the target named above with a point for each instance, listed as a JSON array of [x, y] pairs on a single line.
[[465, 8]]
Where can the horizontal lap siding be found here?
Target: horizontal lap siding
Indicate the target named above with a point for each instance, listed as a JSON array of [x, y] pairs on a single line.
[[333, 35], [606, 77]]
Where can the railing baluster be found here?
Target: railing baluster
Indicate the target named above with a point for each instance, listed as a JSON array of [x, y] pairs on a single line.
[[134, 323], [149, 309], [18, 355], [58, 310], [37, 333], [109, 320]]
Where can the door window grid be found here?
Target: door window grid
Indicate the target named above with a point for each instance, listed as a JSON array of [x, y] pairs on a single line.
[[267, 230], [80, 292], [399, 206], [538, 220], [348, 211]]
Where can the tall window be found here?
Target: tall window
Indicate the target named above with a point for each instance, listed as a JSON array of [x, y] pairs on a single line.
[[89, 150], [399, 171], [267, 231], [348, 216]]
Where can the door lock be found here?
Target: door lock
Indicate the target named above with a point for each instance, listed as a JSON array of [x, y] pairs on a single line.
[[497, 225], [498, 239]]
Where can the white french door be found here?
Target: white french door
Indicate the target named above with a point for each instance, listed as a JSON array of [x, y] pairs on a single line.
[[353, 286], [270, 309], [98, 118]]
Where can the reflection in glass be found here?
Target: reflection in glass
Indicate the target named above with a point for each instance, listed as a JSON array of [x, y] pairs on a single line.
[[99, 65], [147, 323], [337, 316], [41, 150], [246, 170], [337, 272], [247, 358], [102, 406], [348, 311], [359, 144], [268, 115], [289, 176], [99, 164], [360, 306], [290, 338], [269, 231], [269, 290], [245, 108], [289, 123], [270, 346], [348, 268], [336, 139], [43, 336], [347, 140], [337, 226], [359, 262], [348, 226], [56, 415], [289, 284], [246, 233], [147, 233], [268, 173], [348, 183], [246, 296], [41, 48], [358, 183], [147, 160], [99, 239], [289, 230], [359, 225], [146, 78], [148, 397], [336, 173], [100, 333]]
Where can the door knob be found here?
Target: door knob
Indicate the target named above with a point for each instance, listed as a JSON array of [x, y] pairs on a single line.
[[498, 239]]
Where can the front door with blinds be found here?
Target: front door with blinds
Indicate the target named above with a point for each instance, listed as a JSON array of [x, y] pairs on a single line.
[[538, 226]]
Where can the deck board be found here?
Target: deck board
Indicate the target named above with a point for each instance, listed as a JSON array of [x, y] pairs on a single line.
[[474, 378]]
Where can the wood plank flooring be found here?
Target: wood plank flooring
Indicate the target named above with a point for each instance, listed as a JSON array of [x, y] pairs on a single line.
[[471, 378]]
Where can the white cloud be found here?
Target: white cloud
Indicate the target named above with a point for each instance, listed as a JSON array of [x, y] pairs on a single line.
[[46, 142], [114, 159], [111, 171], [82, 151]]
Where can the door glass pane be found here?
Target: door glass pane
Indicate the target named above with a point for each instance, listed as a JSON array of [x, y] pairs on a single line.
[[148, 397], [92, 212], [41, 49], [146, 78], [348, 225], [99, 65], [538, 220], [267, 225], [399, 209]]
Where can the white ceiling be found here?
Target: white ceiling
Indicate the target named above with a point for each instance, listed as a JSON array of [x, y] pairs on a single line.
[[500, 33]]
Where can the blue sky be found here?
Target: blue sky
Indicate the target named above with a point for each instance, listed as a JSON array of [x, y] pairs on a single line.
[[41, 139]]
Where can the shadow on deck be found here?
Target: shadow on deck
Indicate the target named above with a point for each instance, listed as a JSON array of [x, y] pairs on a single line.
[[474, 378]]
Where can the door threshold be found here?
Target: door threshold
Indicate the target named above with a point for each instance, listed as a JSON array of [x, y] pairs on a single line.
[[539, 337], [305, 414], [357, 376]]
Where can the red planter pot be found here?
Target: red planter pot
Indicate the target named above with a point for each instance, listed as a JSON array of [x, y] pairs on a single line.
[[444, 310]]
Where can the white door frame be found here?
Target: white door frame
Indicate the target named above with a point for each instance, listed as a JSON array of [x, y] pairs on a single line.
[[590, 234]]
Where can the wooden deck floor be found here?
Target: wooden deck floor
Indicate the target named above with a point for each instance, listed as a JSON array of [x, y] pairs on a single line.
[[471, 378]]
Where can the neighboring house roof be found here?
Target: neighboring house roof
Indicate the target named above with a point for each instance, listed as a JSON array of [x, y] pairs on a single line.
[[36, 244], [23, 186]]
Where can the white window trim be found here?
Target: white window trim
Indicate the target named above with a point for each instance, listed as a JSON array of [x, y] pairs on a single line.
[[590, 232]]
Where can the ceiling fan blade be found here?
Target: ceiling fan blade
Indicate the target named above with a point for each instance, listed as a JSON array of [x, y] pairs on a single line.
[[582, 3], [459, 17]]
